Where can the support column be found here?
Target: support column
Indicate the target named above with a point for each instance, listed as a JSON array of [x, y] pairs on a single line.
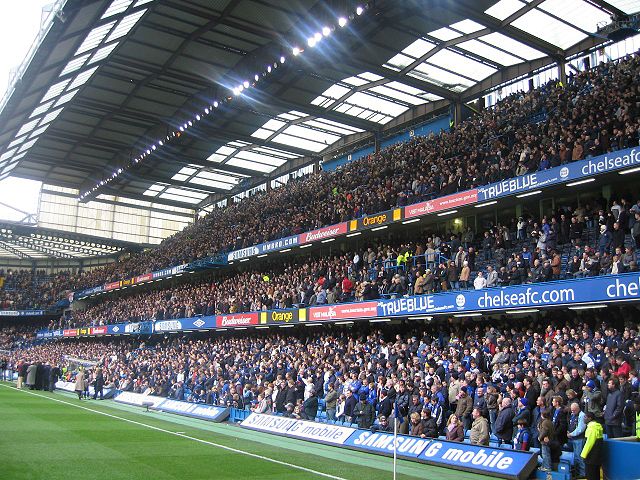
[[562, 72]]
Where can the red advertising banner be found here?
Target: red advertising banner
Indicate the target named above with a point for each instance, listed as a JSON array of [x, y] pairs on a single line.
[[443, 203], [72, 332], [144, 278], [322, 233], [237, 320], [340, 312], [112, 285], [98, 331]]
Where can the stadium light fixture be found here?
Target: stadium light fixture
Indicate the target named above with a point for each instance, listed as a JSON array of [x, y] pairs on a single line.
[[285, 250], [215, 104], [523, 311], [295, 51], [326, 31], [261, 327], [581, 182], [380, 320], [486, 204], [355, 234], [262, 256], [244, 260], [306, 246], [342, 21], [450, 212], [359, 10], [344, 323], [528, 194], [631, 170], [245, 84], [329, 240], [283, 59], [311, 42], [383, 227], [286, 326], [588, 307], [462, 315], [313, 324], [414, 220]]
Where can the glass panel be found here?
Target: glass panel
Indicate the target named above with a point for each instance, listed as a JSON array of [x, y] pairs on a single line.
[[467, 26], [541, 25], [489, 52], [456, 62], [577, 12], [445, 34], [510, 45], [504, 9]]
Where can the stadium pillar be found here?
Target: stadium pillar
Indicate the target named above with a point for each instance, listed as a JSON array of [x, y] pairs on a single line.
[[377, 139], [457, 113], [562, 72]]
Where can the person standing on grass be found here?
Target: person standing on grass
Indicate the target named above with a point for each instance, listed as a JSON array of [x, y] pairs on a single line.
[[99, 384], [22, 373], [80, 383], [31, 376]]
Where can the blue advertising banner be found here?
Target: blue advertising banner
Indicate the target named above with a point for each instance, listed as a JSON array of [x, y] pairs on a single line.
[[167, 272], [180, 324], [381, 442], [499, 462], [606, 288], [272, 246], [21, 313], [496, 461], [564, 173]]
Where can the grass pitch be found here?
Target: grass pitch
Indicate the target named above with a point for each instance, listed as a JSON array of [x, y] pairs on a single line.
[[55, 436]]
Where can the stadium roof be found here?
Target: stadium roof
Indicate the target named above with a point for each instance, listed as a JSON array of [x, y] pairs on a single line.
[[110, 78], [19, 240]]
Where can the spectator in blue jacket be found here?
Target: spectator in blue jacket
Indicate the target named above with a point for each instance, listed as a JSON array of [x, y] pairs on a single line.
[[613, 410]]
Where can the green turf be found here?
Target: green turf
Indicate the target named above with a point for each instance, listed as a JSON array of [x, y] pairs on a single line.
[[44, 439]]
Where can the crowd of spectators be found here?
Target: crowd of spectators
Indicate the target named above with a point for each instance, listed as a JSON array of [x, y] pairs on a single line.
[[31, 289], [496, 377], [594, 113], [571, 243]]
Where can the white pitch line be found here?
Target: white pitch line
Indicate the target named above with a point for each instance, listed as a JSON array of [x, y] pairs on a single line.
[[178, 434]]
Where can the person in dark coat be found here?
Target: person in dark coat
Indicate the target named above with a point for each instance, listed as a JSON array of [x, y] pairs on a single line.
[[429, 427], [310, 406], [613, 410], [46, 373], [386, 405], [40, 376], [349, 406], [99, 384], [364, 412], [281, 397], [504, 422]]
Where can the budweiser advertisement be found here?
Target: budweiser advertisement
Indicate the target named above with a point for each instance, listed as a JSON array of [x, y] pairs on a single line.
[[340, 312], [237, 320], [112, 285], [322, 233], [443, 203], [144, 278]]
